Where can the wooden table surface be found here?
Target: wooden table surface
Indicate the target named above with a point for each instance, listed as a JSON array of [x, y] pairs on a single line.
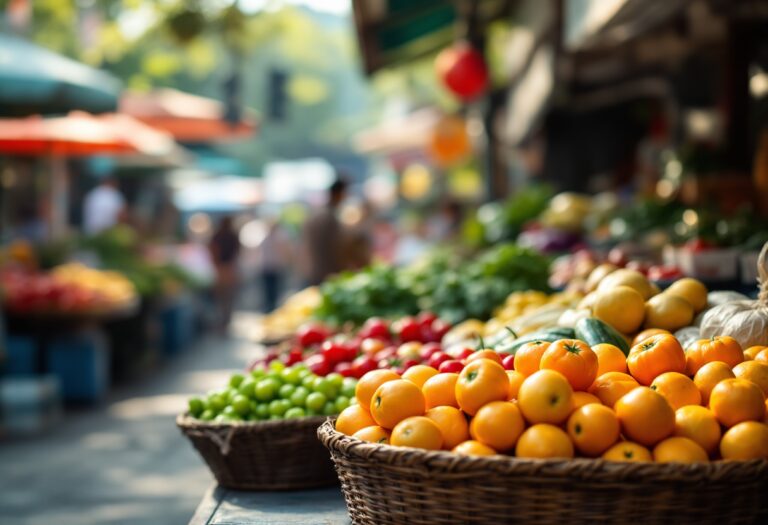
[[222, 506]]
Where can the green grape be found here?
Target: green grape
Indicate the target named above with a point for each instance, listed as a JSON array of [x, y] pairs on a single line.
[[278, 407], [262, 411], [216, 402], [286, 391], [329, 409], [294, 412], [299, 396], [235, 380], [266, 389], [246, 388], [276, 365], [242, 405], [196, 406], [309, 381], [316, 401], [348, 386], [342, 402], [291, 376], [207, 415], [335, 379], [327, 387]]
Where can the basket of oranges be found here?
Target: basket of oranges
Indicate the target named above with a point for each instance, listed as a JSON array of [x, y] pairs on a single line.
[[572, 434]]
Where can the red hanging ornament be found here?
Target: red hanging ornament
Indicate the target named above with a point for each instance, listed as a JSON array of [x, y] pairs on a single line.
[[463, 70]]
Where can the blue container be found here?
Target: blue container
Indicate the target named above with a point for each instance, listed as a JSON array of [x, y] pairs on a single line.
[[21, 356], [177, 327], [81, 362]]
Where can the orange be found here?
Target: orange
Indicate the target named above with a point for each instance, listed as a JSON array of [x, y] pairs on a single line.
[[546, 397], [680, 390], [754, 371], [645, 416], [481, 382], [396, 400], [627, 451], [611, 386], [528, 357], [473, 448], [645, 334], [544, 441], [373, 434], [417, 432], [746, 440], [593, 429], [498, 425], [368, 384], [440, 390], [584, 398], [484, 354], [762, 355], [752, 352], [572, 358], [654, 356], [737, 400], [452, 423], [703, 351], [709, 375], [418, 374], [352, 419], [699, 424], [679, 450], [610, 358], [515, 380]]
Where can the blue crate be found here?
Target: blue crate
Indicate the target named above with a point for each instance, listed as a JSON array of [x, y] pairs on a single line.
[[177, 327], [81, 362], [21, 356], [29, 405]]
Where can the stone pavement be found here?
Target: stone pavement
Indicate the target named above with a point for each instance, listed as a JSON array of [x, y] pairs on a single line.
[[124, 462]]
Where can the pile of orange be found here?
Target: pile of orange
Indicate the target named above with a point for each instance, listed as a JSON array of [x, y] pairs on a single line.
[[565, 399]]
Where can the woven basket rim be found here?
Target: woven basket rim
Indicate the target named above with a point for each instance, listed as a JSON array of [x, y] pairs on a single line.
[[430, 462], [186, 421]]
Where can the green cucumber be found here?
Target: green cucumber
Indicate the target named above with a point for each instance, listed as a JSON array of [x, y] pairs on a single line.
[[594, 332], [550, 335]]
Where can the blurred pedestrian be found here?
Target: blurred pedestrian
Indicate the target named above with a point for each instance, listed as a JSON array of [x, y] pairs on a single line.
[[322, 237], [103, 207], [225, 249], [275, 259], [358, 239]]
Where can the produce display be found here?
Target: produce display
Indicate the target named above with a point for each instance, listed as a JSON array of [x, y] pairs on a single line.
[[279, 392], [565, 398], [456, 290], [283, 322], [68, 289], [377, 344]]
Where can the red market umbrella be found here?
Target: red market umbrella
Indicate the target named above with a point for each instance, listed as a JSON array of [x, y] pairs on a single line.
[[189, 118], [78, 134]]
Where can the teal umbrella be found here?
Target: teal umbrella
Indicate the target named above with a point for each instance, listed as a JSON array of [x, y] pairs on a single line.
[[34, 80]]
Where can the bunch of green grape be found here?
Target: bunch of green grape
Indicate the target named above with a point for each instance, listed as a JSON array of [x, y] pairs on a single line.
[[277, 393]]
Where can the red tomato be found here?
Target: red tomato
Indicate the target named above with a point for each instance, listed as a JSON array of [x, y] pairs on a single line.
[[452, 365], [440, 328], [312, 334], [294, 356], [363, 365], [345, 369], [428, 350], [426, 319], [334, 351], [386, 354], [375, 328], [508, 362], [407, 329], [318, 365], [465, 354], [437, 359], [408, 363]]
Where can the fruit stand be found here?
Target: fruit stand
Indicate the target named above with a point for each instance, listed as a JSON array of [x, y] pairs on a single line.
[[615, 400]]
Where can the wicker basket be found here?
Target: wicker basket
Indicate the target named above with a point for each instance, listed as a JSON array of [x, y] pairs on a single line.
[[391, 485], [264, 455]]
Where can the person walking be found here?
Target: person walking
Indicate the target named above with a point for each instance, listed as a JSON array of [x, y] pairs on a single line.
[[275, 258], [225, 249], [322, 237], [103, 207]]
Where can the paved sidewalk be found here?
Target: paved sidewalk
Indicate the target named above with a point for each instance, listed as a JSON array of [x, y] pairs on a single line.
[[122, 463]]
